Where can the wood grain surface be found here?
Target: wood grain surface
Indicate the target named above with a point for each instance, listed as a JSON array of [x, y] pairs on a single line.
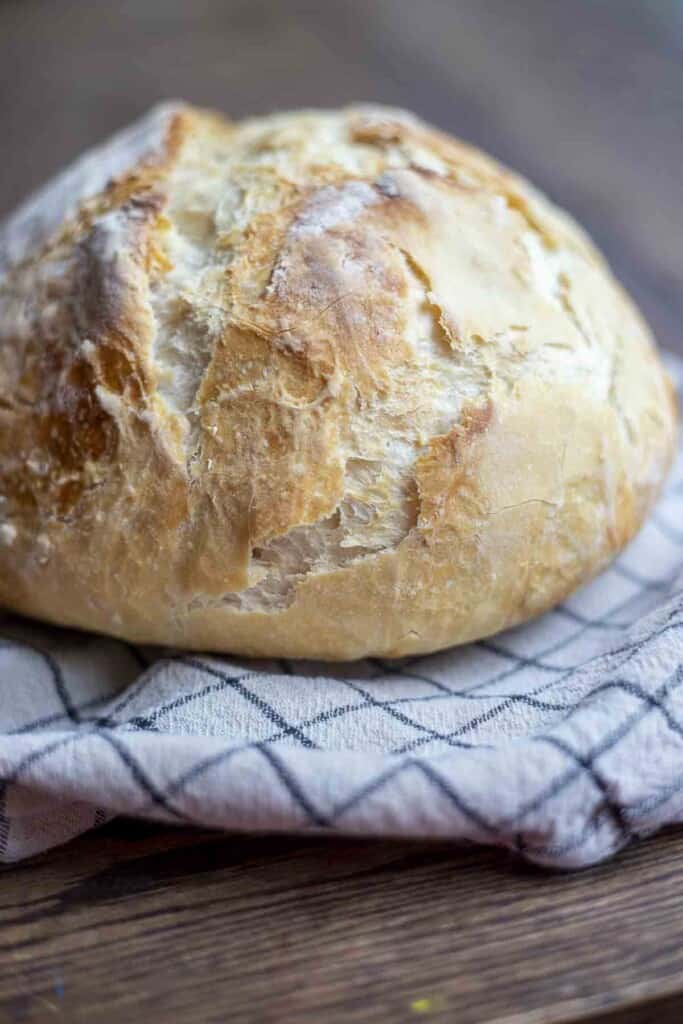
[[137, 923]]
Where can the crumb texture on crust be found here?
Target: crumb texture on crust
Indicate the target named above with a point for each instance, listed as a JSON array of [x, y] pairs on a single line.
[[323, 383]]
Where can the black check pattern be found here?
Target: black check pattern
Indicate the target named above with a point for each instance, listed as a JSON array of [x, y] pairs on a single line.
[[562, 739]]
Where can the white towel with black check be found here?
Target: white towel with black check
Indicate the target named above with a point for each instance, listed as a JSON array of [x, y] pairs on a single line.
[[562, 739]]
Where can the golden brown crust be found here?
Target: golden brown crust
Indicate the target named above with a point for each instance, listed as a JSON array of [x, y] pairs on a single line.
[[323, 384]]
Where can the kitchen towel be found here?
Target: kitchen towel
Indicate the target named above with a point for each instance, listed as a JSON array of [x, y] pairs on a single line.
[[561, 739]]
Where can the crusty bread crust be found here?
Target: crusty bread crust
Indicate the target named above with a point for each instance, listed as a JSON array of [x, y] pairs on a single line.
[[324, 384]]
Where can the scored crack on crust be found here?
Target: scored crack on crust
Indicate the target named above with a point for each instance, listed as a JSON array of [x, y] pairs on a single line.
[[319, 384]]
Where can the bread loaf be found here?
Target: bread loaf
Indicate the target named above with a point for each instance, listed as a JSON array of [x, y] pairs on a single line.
[[320, 384]]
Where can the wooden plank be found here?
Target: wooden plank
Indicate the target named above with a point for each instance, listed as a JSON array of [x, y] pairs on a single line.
[[142, 923]]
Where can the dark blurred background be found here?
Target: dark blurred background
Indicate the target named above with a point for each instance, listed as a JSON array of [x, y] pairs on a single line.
[[584, 96]]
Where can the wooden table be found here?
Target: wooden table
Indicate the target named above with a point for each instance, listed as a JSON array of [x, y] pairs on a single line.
[[139, 923]]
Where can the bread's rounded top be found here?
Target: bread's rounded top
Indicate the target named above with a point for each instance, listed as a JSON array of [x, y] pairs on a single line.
[[282, 349]]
